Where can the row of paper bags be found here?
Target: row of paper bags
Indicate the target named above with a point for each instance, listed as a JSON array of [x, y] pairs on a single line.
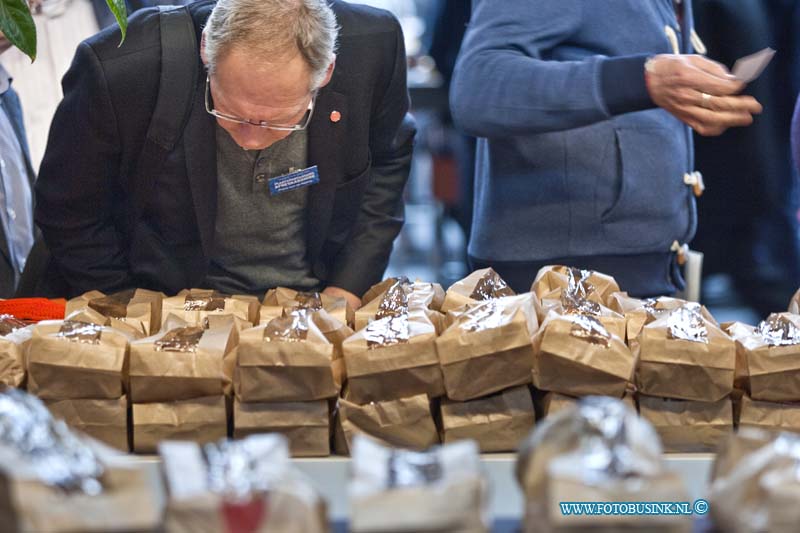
[[595, 450], [53, 479], [487, 347]]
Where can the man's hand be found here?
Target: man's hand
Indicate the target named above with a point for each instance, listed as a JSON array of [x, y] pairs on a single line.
[[700, 93], [352, 299]]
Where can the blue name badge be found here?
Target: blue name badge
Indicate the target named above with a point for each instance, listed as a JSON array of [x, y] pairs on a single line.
[[294, 180]]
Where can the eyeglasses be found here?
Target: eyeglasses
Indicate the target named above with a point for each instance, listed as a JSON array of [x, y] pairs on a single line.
[[301, 125]]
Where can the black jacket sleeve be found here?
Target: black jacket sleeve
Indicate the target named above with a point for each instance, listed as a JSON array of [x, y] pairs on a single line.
[[75, 188], [364, 257]]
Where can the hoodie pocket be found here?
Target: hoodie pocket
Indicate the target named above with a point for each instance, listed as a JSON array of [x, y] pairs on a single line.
[[651, 207]]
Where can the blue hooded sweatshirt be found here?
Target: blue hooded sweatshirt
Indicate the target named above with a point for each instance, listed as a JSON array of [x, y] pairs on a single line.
[[573, 158]]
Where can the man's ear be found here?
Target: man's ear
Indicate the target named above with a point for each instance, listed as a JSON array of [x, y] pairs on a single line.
[[328, 73], [203, 57]]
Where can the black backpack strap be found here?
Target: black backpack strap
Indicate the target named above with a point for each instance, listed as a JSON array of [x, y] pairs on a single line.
[[176, 89]]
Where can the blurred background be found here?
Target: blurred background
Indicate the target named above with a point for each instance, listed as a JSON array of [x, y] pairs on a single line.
[[748, 216]]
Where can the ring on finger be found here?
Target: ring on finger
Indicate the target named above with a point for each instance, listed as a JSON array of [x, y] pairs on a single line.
[[706, 102]]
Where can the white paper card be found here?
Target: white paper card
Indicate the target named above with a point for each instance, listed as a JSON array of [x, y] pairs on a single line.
[[748, 68]]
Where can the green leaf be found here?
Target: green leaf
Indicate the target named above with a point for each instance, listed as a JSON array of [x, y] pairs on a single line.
[[17, 25], [117, 7]]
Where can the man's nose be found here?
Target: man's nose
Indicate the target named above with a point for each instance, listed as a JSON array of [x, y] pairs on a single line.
[[254, 138]]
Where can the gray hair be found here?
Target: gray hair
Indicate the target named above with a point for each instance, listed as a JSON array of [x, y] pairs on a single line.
[[270, 27]]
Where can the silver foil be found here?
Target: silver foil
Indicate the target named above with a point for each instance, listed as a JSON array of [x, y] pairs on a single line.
[[236, 471], [180, 340], [204, 301], [413, 469], [687, 324], [10, 324], [392, 329], [573, 304], [491, 285], [777, 330], [482, 317], [650, 306], [291, 327], [82, 332], [589, 329], [395, 301], [58, 458], [578, 283], [597, 429], [308, 300], [114, 305]]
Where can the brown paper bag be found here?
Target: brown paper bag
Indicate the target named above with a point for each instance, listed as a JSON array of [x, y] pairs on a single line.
[[596, 450], [104, 420], [181, 363], [140, 309], [14, 338], [688, 426], [132, 328], [481, 285], [397, 491], [402, 423], [72, 360], [576, 355], [737, 331], [594, 286], [739, 444], [553, 403], [279, 511], [379, 289], [402, 294], [794, 303], [306, 424], [394, 357], [772, 416], [570, 304], [205, 308], [758, 488], [771, 356], [639, 313], [288, 360], [497, 423], [336, 333], [199, 420], [684, 356], [277, 498], [488, 347], [280, 299], [127, 503]]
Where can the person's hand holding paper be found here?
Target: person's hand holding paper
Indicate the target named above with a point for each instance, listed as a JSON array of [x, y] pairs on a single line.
[[703, 93]]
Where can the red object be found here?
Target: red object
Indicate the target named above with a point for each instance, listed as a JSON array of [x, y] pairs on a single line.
[[336, 116], [34, 309], [244, 517]]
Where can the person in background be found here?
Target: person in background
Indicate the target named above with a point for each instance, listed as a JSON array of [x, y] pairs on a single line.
[[748, 226], [796, 137], [290, 167], [16, 184], [583, 112]]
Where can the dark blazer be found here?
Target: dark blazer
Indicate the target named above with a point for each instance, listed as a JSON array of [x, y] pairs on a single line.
[[83, 205], [12, 107]]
